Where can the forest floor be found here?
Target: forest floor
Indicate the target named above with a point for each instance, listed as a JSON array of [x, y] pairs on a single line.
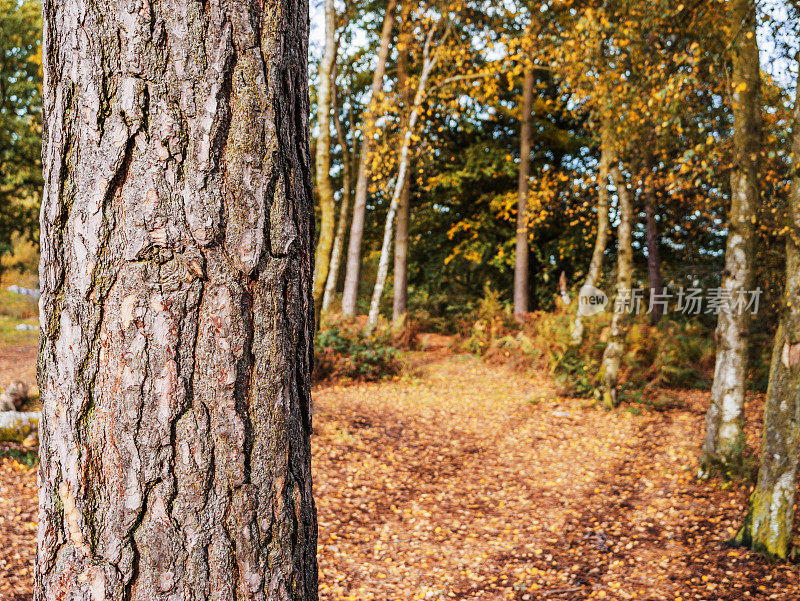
[[466, 480]]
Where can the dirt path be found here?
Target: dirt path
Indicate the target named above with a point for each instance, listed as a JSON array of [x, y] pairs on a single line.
[[467, 481], [470, 482]]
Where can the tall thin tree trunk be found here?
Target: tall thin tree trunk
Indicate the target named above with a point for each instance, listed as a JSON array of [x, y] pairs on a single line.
[[353, 267], [653, 253], [596, 264], [344, 209], [400, 288], [523, 191], [323, 157], [177, 309], [615, 349], [428, 63], [769, 522], [724, 442]]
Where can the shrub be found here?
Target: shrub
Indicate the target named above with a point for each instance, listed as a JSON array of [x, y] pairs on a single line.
[[343, 350], [679, 352]]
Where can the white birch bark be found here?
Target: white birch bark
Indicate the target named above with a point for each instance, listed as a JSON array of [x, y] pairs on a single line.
[[724, 442], [352, 277], [428, 63]]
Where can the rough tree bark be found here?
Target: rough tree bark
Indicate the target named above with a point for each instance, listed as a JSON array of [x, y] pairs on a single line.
[[724, 441], [653, 253], [523, 191], [177, 313], [400, 288], [608, 377], [596, 264], [323, 157], [353, 267], [344, 209], [768, 525], [428, 63]]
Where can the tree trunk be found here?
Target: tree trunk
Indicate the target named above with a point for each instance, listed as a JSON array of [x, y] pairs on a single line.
[[324, 185], [596, 264], [724, 441], [400, 288], [623, 307], [653, 254], [177, 310], [523, 191], [428, 63], [768, 525], [344, 209], [353, 268], [400, 292]]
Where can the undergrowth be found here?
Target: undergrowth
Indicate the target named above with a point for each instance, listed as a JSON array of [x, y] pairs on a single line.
[[345, 350], [677, 353]]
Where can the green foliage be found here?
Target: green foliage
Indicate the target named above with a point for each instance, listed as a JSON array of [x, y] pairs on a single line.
[[344, 350], [26, 458], [20, 116]]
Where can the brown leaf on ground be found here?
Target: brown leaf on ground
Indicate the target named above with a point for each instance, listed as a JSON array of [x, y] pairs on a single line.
[[468, 481]]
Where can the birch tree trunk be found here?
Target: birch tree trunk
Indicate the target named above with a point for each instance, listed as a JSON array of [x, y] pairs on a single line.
[[601, 241], [177, 312], [768, 526], [653, 253], [400, 288], [428, 63], [353, 268], [523, 192], [615, 349], [724, 441], [323, 157], [344, 209]]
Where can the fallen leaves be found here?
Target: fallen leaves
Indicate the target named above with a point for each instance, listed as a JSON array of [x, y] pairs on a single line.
[[450, 484]]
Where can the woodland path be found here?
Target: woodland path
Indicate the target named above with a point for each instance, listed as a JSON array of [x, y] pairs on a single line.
[[466, 480]]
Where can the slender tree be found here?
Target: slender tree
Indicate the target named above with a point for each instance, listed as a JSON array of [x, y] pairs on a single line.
[[608, 378], [323, 157], [768, 525], [601, 241], [724, 440], [344, 207], [651, 235], [429, 60], [177, 312], [353, 271], [523, 191], [400, 287]]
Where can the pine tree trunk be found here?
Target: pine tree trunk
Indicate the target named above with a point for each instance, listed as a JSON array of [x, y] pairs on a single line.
[[177, 312], [724, 442], [344, 209], [400, 288], [428, 63], [353, 267], [653, 253], [596, 264], [615, 349], [323, 158], [769, 522], [523, 191]]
